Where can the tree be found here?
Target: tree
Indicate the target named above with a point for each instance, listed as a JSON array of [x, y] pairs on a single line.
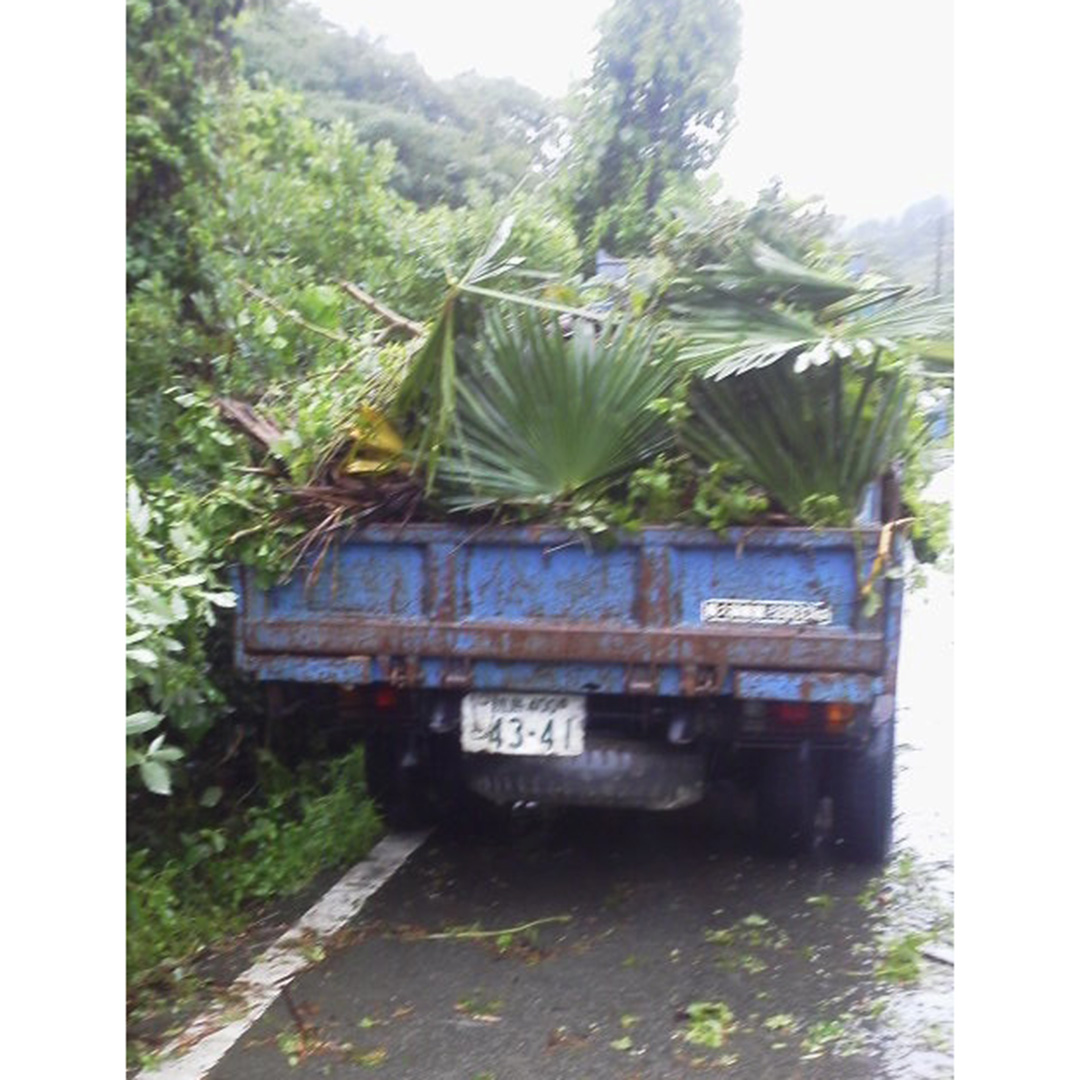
[[173, 48], [450, 137], [659, 104]]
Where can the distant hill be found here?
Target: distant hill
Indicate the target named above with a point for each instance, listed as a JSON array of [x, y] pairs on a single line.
[[450, 135], [916, 247]]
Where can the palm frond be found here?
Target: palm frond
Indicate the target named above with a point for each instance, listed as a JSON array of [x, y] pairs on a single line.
[[426, 401], [816, 436], [922, 322], [542, 417], [765, 307], [760, 273]]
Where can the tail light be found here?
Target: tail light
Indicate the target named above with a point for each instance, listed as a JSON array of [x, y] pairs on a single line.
[[832, 717], [791, 713], [386, 697]]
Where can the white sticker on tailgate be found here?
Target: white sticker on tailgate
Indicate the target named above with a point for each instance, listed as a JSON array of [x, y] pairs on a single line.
[[769, 612], [535, 724]]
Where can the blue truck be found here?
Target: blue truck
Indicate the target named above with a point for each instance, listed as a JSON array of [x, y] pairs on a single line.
[[524, 664]]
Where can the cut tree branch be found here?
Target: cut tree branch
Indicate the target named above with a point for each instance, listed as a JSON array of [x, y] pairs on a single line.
[[257, 428], [388, 315], [462, 935]]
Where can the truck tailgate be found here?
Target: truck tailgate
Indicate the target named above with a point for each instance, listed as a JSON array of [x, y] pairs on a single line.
[[768, 612]]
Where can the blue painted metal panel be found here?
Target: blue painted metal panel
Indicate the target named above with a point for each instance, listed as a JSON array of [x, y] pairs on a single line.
[[572, 678], [570, 584], [371, 579], [799, 572], [817, 686], [316, 669], [534, 608]]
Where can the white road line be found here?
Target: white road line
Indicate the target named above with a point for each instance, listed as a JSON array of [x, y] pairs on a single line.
[[193, 1053]]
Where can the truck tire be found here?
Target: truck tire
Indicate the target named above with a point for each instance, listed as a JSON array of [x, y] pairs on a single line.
[[787, 801], [863, 799]]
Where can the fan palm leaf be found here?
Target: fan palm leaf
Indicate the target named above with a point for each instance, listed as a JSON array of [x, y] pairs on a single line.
[[542, 417], [820, 435], [767, 308]]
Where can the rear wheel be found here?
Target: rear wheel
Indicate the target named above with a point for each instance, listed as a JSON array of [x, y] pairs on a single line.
[[863, 799], [787, 801]]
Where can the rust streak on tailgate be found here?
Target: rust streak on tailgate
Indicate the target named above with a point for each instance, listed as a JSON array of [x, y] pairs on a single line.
[[774, 647]]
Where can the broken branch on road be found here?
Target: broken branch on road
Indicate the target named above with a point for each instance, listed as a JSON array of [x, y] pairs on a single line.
[[509, 931]]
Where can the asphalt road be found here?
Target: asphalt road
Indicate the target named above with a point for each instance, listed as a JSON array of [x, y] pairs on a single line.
[[663, 946]]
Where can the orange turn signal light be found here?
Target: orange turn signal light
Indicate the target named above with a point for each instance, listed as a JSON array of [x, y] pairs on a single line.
[[838, 716]]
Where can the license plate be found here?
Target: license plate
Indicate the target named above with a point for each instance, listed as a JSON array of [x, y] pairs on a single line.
[[769, 612], [535, 724]]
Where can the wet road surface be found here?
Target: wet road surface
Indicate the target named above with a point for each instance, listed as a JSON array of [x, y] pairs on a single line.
[[662, 917], [650, 946]]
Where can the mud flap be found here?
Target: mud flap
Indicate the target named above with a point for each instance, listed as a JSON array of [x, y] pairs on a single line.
[[396, 779], [788, 793]]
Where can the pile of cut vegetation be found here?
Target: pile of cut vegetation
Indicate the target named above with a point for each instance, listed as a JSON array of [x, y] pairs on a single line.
[[758, 391]]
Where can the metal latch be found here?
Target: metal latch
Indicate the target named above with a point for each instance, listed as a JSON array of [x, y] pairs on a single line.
[[642, 680], [458, 674], [402, 671]]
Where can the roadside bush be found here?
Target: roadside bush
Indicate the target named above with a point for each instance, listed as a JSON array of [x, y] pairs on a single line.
[[190, 889], [173, 595]]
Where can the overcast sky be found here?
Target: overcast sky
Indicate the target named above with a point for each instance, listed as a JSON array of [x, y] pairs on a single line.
[[848, 99]]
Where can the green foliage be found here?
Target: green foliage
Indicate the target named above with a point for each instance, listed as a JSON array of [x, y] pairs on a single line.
[[674, 490], [302, 208], [480, 1005], [277, 213], [426, 402], [722, 499], [931, 525], [813, 439], [543, 417], [930, 530], [834, 1036], [698, 227], [761, 306], [659, 104], [901, 958], [173, 48], [657, 492], [825, 510], [807, 380], [300, 199], [174, 593], [801, 229], [710, 1023], [298, 208], [188, 894]]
